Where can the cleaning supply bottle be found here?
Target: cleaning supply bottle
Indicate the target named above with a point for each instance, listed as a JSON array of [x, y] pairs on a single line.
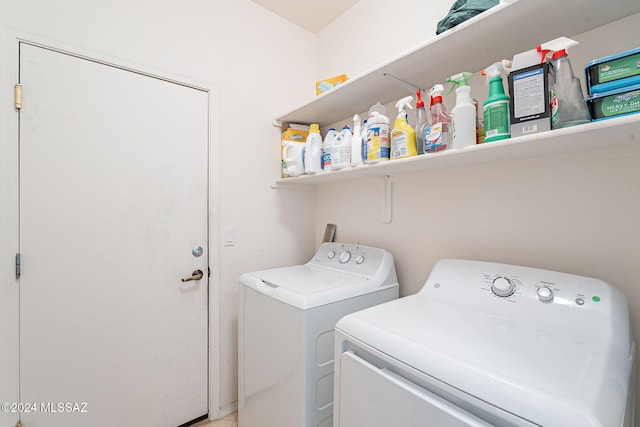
[[326, 148], [403, 136], [421, 122], [378, 132], [497, 125], [568, 107], [313, 150], [438, 134], [356, 142], [463, 115], [341, 149]]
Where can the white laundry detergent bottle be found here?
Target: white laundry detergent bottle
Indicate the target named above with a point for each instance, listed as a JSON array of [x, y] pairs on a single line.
[[313, 150], [326, 148], [341, 149], [292, 158]]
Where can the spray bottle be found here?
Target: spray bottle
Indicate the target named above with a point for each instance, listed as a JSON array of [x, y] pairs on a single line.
[[421, 122], [463, 115], [403, 136], [568, 107], [497, 125], [356, 142], [438, 135]]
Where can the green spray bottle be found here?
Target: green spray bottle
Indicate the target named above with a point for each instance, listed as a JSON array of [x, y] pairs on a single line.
[[497, 124]]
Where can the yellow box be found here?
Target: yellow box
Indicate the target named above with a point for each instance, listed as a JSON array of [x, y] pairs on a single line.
[[324, 85], [295, 135]]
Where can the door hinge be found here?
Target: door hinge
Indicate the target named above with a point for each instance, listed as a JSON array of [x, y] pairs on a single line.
[[17, 96], [18, 265]]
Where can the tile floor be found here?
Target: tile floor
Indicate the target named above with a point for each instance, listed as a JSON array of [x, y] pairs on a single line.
[[228, 421]]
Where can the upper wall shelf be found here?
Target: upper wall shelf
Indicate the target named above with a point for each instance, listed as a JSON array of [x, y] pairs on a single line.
[[606, 134], [497, 33]]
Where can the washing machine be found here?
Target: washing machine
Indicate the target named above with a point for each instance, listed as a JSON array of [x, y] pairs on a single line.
[[486, 344], [286, 321]]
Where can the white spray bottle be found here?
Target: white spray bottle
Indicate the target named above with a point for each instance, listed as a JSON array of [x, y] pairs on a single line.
[[356, 142], [463, 115]]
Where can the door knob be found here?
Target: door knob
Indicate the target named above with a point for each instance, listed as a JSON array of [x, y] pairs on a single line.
[[196, 275]]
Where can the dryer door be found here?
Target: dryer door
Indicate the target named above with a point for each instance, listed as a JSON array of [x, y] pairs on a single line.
[[375, 397]]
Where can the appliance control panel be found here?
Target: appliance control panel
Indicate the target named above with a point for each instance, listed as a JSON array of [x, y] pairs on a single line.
[[502, 285], [353, 258]]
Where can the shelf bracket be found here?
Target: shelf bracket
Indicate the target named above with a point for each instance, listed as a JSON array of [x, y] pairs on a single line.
[[408, 86], [385, 215]]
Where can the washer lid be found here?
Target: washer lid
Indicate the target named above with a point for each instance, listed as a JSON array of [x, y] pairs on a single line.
[[307, 286], [546, 375]]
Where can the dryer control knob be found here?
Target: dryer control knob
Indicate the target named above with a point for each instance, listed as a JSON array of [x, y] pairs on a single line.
[[331, 254], [360, 259], [345, 256], [503, 287], [545, 294]]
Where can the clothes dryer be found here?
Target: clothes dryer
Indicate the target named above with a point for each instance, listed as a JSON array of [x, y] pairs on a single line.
[[486, 344]]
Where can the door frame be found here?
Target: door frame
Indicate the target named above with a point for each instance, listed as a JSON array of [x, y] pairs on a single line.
[[9, 212]]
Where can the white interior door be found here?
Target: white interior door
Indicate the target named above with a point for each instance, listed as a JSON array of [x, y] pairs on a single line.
[[113, 197]]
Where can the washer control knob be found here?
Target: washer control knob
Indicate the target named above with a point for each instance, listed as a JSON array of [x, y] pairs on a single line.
[[502, 287], [331, 254], [345, 256], [359, 259], [545, 294]]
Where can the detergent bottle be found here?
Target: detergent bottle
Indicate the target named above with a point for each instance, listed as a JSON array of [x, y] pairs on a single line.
[[341, 149], [356, 142], [463, 115], [326, 148], [568, 107], [378, 143], [403, 136], [313, 150], [438, 134], [497, 125], [421, 122]]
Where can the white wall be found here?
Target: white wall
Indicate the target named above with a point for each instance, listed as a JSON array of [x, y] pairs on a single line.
[[374, 31], [573, 213], [259, 65]]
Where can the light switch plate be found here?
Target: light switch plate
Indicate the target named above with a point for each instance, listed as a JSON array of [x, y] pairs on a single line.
[[229, 236]]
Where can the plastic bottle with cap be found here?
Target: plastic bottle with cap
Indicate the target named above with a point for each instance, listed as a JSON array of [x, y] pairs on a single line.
[[313, 150], [403, 136], [463, 115], [326, 148], [497, 125], [356, 142], [341, 149], [378, 143]]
